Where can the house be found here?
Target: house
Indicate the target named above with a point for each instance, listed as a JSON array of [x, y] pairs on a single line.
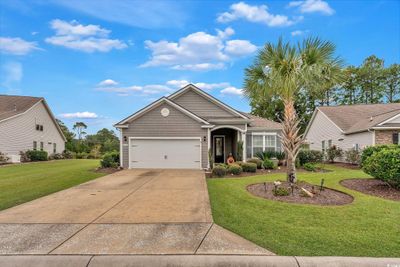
[[354, 126], [26, 123], [186, 128]]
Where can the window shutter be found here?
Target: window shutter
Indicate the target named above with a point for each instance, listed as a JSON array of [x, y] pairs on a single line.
[[396, 138]]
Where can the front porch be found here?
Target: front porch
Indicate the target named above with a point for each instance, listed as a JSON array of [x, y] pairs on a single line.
[[224, 142]]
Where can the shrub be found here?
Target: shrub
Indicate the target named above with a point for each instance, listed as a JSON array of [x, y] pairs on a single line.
[[219, 171], [249, 167], [258, 162], [334, 152], [313, 156], [352, 156], [235, 169], [268, 164], [67, 154], [265, 155], [56, 156], [81, 155], [3, 158], [368, 151], [239, 149], [24, 156], [37, 155], [110, 160], [384, 165], [280, 191], [310, 167], [280, 155]]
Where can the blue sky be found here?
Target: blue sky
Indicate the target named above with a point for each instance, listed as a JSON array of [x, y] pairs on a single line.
[[99, 61]]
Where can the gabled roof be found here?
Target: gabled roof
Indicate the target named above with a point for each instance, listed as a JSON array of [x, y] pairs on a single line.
[[155, 104], [207, 96], [12, 106], [259, 122], [359, 118]]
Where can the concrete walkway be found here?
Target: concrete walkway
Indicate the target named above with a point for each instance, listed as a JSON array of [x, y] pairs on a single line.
[[128, 212]]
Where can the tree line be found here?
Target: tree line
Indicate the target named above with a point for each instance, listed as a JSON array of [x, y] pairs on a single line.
[[370, 83], [92, 145]]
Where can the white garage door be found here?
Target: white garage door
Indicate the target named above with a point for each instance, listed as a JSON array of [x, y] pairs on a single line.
[[165, 153]]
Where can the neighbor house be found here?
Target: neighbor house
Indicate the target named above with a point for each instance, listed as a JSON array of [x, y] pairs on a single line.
[[26, 123], [354, 126], [189, 127]]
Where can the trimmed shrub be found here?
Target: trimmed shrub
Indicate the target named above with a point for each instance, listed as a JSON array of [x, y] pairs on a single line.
[[384, 165], [333, 153], [368, 151], [353, 156], [258, 162], [268, 164], [313, 156], [280, 191], [37, 155], [310, 167], [67, 154], [219, 171], [110, 160], [235, 169], [249, 167]]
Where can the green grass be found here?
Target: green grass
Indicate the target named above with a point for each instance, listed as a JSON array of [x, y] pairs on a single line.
[[25, 182], [370, 226]]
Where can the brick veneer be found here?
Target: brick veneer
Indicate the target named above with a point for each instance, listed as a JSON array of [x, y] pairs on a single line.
[[384, 137]]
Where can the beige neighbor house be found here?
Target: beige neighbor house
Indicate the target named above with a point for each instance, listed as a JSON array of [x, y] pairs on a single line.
[[26, 123], [354, 126], [186, 128]]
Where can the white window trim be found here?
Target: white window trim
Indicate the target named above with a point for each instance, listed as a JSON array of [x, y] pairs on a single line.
[[263, 134]]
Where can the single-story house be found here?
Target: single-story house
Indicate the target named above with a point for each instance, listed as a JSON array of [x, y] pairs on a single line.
[[27, 123], [186, 128], [354, 126]]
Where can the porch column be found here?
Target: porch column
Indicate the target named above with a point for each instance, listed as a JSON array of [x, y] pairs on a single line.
[[208, 146], [244, 145]]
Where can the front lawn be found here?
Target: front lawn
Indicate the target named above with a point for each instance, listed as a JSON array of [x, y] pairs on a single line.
[[369, 226], [24, 182]]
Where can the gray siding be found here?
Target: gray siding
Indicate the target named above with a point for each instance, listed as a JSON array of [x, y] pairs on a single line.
[[201, 106], [322, 128], [152, 124], [17, 134]]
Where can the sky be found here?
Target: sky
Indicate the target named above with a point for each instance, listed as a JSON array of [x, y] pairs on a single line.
[[98, 61]]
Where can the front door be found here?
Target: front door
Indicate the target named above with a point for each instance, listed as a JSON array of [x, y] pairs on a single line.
[[219, 149]]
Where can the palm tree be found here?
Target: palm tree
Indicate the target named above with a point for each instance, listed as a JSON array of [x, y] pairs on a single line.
[[283, 70]]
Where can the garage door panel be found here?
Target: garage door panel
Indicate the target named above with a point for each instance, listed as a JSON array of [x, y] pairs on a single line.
[[165, 153]]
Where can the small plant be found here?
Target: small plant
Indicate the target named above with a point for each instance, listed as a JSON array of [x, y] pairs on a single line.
[[219, 171], [24, 156], [353, 156], [239, 151], [3, 158], [110, 160], [333, 153], [265, 155], [56, 156], [268, 164], [37, 155], [235, 169], [249, 167], [280, 191], [310, 167], [67, 154], [257, 161], [280, 156], [313, 156]]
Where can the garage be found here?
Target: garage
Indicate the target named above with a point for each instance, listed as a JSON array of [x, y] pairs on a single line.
[[165, 153]]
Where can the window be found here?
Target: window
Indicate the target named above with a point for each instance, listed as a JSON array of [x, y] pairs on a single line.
[[34, 145], [258, 144], [329, 143], [395, 138], [263, 142], [39, 127], [357, 147], [54, 148], [323, 146], [41, 146]]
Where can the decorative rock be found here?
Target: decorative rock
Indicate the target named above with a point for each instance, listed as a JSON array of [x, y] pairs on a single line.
[[307, 192]]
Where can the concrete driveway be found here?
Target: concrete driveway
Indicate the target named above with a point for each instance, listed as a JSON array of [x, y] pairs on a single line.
[[128, 212]]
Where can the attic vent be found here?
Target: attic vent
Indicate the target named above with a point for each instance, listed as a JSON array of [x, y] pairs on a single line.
[[15, 107], [371, 119]]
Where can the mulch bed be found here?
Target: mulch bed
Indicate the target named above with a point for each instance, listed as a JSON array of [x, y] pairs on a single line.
[[107, 170], [326, 197], [372, 187]]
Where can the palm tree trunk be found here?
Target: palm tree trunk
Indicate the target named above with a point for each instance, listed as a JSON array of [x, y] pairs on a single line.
[[291, 139]]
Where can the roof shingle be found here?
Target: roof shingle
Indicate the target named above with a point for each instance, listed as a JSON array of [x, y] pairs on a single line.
[[11, 105]]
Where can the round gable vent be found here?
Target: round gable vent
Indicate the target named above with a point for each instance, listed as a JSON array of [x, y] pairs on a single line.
[[165, 112]]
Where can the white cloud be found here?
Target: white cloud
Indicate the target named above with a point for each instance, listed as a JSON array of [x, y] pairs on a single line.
[[299, 32], [313, 6], [257, 14], [79, 115], [166, 88], [232, 91], [108, 82], [201, 50], [89, 38], [16, 46]]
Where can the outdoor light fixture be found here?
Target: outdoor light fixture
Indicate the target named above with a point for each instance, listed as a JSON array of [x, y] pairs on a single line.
[[204, 138], [125, 139]]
